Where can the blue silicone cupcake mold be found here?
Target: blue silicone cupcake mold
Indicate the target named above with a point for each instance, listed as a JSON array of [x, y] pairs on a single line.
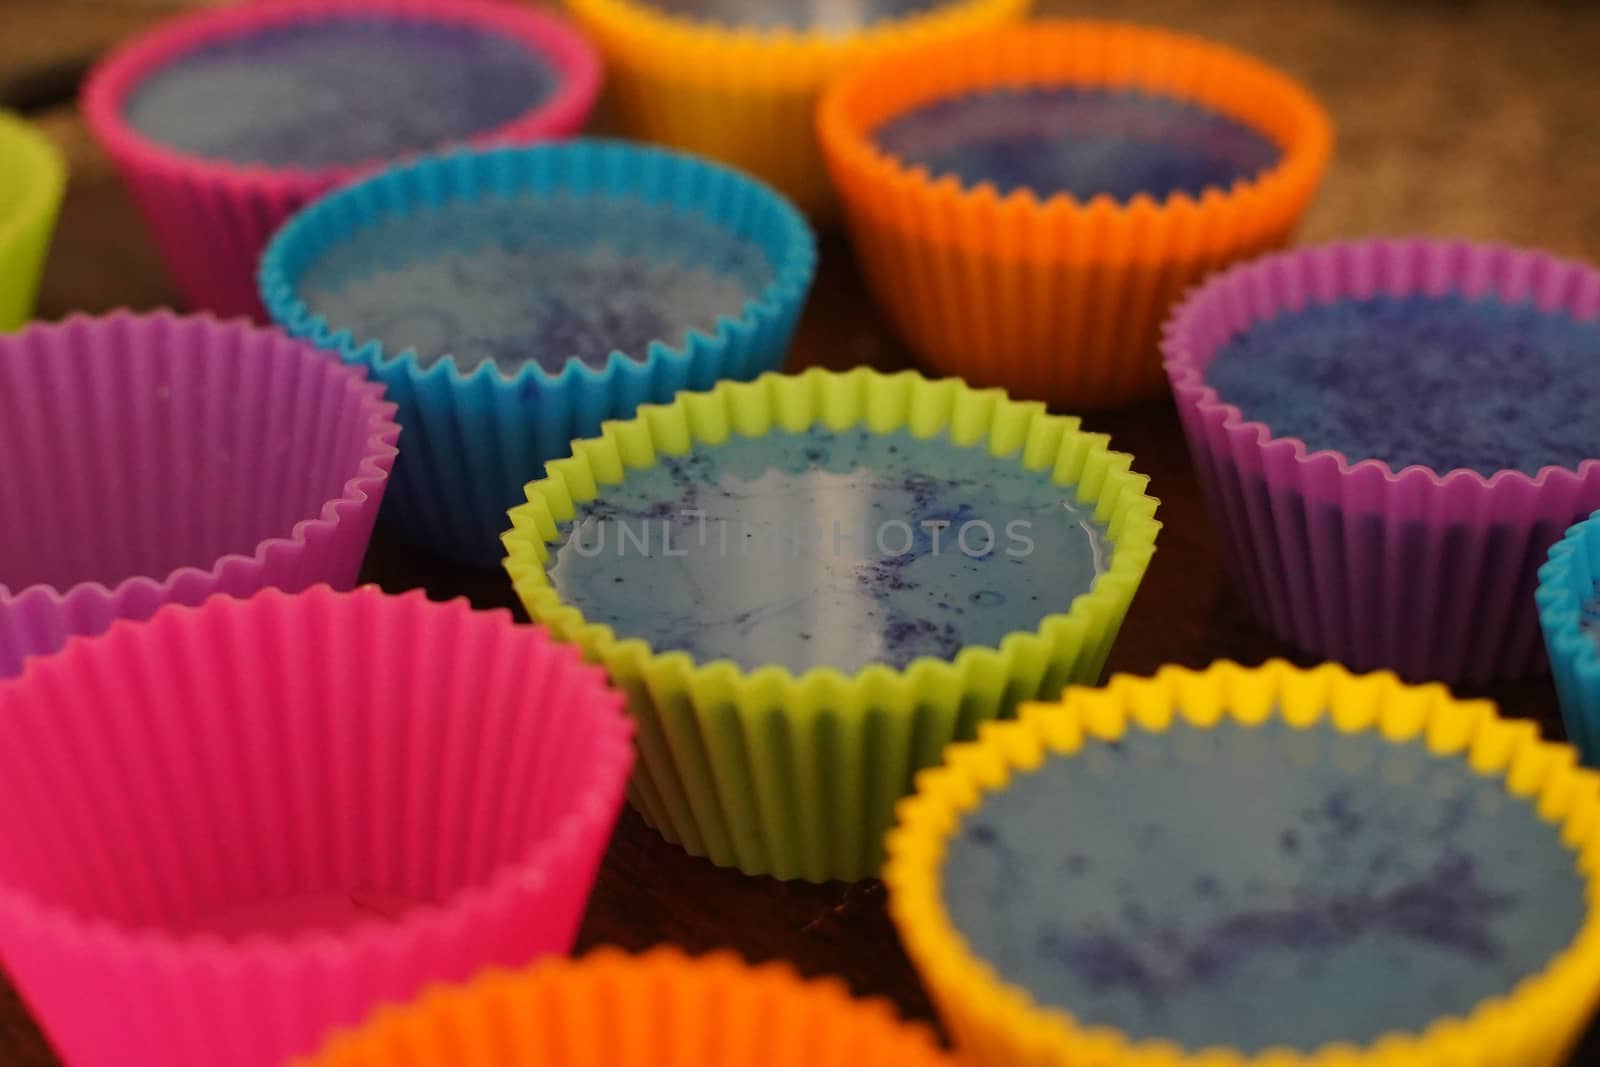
[[474, 437], [1569, 613]]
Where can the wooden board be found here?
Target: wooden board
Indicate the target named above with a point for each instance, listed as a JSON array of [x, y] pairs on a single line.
[[1474, 119]]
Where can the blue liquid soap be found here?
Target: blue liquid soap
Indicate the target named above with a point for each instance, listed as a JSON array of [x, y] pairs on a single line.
[[826, 15], [1441, 382], [338, 93], [1261, 887], [1083, 142], [542, 279], [812, 550]]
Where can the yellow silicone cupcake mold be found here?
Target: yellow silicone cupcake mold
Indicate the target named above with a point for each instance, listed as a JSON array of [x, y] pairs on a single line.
[[661, 1009], [746, 94], [1057, 298], [33, 177], [797, 776], [998, 1024]]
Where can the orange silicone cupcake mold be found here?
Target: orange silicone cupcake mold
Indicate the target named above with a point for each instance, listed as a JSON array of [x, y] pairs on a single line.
[[661, 1009], [1058, 298]]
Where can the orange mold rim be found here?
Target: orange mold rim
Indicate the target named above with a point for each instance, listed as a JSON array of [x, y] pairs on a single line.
[[1085, 54], [660, 1009]]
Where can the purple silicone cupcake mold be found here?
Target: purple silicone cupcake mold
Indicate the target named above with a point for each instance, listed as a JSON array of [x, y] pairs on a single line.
[[1429, 573], [159, 458]]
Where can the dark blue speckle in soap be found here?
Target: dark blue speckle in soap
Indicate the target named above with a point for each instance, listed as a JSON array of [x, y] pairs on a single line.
[[1083, 142], [828, 548], [1261, 887], [328, 94], [1441, 382], [542, 279]]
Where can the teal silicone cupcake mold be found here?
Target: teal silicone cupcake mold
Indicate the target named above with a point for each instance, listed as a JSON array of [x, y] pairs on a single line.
[[1569, 613], [476, 433]]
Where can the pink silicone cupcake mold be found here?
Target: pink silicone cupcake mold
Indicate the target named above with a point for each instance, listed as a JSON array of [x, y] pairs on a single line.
[[210, 217], [1428, 573], [157, 458], [230, 829]]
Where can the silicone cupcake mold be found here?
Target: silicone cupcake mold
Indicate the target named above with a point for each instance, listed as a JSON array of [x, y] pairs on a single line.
[[296, 93], [157, 458], [1051, 295], [1430, 572], [522, 268], [740, 81], [1569, 612], [661, 1009], [795, 773], [32, 177], [235, 827], [1351, 872]]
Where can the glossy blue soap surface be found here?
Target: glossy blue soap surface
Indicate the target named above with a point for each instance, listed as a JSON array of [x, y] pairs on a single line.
[[828, 548], [1441, 382], [543, 279], [1083, 142], [1261, 887], [338, 93]]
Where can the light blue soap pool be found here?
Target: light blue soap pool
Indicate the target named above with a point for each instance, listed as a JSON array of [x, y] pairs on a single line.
[[828, 548], [1083, 142], [824, 15], [338, 93], [1442, 382], [543, 279], [1261, 887]]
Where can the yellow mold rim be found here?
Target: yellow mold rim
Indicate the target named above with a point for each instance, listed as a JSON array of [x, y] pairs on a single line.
[[797, 776], [747, 95], [996, 1024]]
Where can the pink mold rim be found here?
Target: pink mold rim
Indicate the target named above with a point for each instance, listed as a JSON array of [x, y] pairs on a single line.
[[106, 93], [136, 596]]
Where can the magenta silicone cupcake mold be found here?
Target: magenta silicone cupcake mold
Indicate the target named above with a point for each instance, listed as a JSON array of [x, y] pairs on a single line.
[[1427, 573], [156, 458], [232, 828], [211, 218]]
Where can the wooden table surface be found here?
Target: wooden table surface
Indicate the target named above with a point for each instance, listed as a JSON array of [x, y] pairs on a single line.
[[1455, 117]]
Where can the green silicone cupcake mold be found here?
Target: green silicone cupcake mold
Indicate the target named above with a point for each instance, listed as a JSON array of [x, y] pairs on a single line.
[[796, 776], [32, 180]]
